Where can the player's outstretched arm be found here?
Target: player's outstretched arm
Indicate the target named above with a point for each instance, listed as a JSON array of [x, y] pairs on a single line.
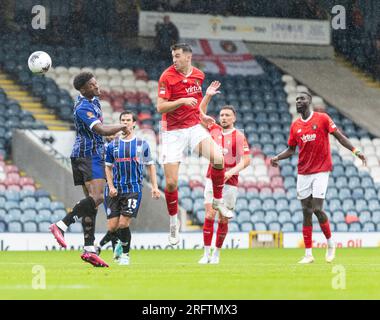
[[287, 153], [345, 142], [153, 178], [109, 130], [210, 92], [164, 105]]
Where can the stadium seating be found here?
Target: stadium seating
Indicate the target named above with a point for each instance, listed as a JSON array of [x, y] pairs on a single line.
[[266, 108]]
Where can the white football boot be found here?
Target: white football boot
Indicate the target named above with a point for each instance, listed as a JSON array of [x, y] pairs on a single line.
[[124, 259], [306, 260], [174, 234], [220, 206]]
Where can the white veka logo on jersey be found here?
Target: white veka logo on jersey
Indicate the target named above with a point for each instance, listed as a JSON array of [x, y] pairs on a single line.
[[308, 137]]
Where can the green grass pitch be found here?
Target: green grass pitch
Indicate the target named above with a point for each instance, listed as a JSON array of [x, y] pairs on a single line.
[[176, 275]]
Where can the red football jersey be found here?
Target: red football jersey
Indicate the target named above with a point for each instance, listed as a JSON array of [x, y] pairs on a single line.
[[312, 138], [234, 146], [174, 85]]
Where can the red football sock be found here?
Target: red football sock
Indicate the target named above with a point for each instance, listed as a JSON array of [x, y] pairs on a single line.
[[325, 227], [307, 236], [172, 201], [208, 231], [221, 234], [217, 178]]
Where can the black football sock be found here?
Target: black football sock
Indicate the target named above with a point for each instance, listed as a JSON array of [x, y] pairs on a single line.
[[80, 210], [125, 238]]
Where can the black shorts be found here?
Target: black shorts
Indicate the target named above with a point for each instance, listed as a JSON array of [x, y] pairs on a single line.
[[87, 169], [126, 204]]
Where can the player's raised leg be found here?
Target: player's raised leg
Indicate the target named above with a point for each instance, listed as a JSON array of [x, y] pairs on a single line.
[[325, 227], [171, 197], [210, 150]]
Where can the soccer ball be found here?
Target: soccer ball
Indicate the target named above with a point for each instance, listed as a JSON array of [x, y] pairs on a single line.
[[39, 62]]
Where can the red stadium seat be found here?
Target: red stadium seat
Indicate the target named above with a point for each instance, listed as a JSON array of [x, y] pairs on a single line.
[[26, 181], [195, 183], [9, 168], [29, 187], [14, 187], [272, 171], [140, 74], [276, 182]]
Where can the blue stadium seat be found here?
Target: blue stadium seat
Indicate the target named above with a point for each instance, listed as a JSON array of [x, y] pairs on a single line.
[[271, 216], [354, 182], [55, 205], [373, 205], [341, 182], [355, 227], [297, 216], [338, 216], [344, 193], [183, 192], [43, 226], [246, 226], [357, 193], [335, 204], [12, 195], [361, 205], [332, 193], [282, 204], [367, 182], [14, 226], [233, 226], [369, 227], [243, 215], [58, 214], [299, 227], [341, 227], [378, 227], [28, 215], [30, 226], [376, 216], [9, 205], [254, 205], [28, 203], [200, 216], [241, 204], [76, 228], [44, 215], [370, 194], [288, 227], [274, 226], [284, 216], [348, 205], [260, 226], [187, 204], [197, 193], [295, 205], [258, 215], [198, 204], [269, 204], [3, 226]]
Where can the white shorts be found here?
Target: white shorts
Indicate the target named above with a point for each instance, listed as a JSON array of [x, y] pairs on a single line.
[[312, 184], [229, 194], [175, 143]]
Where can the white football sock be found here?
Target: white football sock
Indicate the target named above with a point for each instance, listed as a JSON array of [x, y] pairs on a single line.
[[61, 225], [308, 252], [173, 219]]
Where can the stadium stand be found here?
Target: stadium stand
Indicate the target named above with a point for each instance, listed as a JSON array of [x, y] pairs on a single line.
[[128, 77]]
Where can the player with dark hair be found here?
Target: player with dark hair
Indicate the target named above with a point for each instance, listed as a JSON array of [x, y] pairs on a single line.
[[310, 133], [87, 161], [236, 158], [125, 159], [179, 99]]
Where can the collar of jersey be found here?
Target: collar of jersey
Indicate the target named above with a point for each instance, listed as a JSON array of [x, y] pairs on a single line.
[[83, 97], [228, 132], [129, 140], [311, 115], [187, 75]]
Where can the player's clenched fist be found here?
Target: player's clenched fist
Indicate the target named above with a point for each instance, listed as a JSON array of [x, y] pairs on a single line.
[[113, 192], [189, 101], [274, 162]]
